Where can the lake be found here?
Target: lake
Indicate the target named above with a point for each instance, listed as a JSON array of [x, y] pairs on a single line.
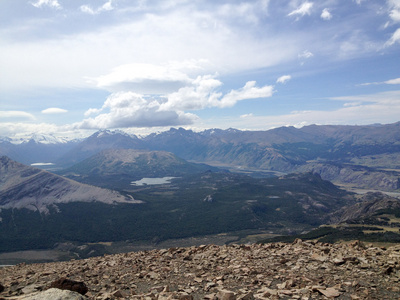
[[152, 181]]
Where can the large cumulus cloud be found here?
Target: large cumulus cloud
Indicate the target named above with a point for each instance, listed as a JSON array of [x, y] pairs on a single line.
[[170, 94], [128, 109]]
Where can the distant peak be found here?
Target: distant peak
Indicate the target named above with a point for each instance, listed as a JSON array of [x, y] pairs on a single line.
[[108, 132], [232, 130], [180, 129]]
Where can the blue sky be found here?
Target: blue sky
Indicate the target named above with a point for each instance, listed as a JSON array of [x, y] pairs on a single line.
[[70, 67]]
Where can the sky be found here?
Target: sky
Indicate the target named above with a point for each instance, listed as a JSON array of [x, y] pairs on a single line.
[[72, 67]]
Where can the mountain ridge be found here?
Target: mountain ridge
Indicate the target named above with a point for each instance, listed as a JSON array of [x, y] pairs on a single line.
[[112, 167], [27, 187]]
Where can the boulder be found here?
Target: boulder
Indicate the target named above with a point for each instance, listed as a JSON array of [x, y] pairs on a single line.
[[67, 284]]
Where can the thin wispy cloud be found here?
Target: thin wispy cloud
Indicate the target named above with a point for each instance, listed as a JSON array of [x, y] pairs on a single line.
[[391, 81], [374, 108], [395, 38], [304, 9], [16, 114], [246, 116], [284, 79]]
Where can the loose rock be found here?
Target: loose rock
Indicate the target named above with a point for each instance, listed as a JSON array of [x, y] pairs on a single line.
[[302, 270]]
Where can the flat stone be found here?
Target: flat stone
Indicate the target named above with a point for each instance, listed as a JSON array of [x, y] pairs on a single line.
[[30, 289], [329, 292]]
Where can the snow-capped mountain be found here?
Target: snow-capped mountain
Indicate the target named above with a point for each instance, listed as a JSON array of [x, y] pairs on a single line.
[[39, 139]]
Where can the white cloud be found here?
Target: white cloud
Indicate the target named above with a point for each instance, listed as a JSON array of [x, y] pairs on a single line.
[[54, 110], [49, 3], [16, 114], [393, 81], [326, 15], [395, 15], [145, 78], [201, 93], [92, 111], [284, 79], [249, 91], [128, 109], [395, 38], [394, 10], [131, 109], [304, 9], [105, 7], [204, 94]]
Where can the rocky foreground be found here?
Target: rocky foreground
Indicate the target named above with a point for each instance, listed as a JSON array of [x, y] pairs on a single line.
[[302, 270]]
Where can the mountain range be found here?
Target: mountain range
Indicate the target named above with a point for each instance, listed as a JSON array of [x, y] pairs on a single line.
[[366, 157]]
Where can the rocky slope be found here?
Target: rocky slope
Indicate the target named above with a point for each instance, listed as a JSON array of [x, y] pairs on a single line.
[[22, 186], [370, 204], [301, 270], [355, 176]]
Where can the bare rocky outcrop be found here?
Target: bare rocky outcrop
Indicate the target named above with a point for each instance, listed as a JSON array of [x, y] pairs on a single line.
[[355, 175], [369, 204], [301, 270]]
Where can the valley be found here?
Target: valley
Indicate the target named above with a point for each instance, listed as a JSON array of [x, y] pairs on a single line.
[[114, 192]]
